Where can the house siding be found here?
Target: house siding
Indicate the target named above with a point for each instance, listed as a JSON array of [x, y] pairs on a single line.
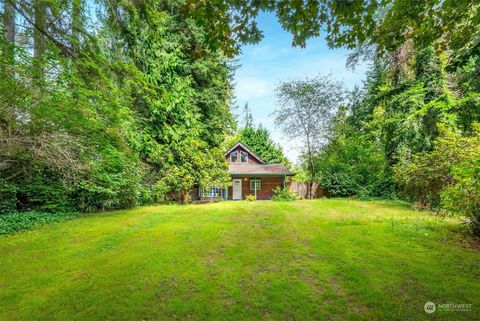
[[267, 186], [251, 159]]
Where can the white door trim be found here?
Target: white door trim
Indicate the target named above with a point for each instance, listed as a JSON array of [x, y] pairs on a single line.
[[237, 189]]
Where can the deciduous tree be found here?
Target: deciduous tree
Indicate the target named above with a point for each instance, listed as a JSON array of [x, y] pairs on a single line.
[[305, 110]]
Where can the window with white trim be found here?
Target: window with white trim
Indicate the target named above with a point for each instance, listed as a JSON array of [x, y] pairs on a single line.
[[255, 184], [233, 157], [214, 191], [243, 157]]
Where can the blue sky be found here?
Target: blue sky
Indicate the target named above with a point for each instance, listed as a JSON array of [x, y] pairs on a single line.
[[264, 65]]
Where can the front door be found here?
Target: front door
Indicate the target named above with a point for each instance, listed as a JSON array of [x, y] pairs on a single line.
[[237, 189]]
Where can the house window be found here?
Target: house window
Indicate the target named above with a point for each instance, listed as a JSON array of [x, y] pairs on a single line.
[[243, 157], [255, 184], [233, 157], [214, 191]]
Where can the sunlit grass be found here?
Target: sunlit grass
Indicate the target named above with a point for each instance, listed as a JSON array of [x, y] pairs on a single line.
[[304, 260]]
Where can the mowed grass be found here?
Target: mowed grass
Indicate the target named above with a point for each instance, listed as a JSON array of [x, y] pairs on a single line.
[[305, 260]]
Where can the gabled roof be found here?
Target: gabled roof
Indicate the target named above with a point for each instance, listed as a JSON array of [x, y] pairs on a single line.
[[240, 144], [256, 169]]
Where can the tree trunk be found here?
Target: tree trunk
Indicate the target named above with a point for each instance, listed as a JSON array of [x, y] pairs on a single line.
[[312, 175], [39, 41], [9, 23], [184, 197], [39, 28], [312, 170], [77, 7]]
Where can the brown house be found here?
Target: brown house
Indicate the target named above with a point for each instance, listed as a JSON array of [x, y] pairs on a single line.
[[250, 176]]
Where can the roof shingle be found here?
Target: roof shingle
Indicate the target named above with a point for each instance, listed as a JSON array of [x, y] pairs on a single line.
[[264, 169]]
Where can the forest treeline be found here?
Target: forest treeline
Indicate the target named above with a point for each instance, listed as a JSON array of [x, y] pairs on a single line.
[[111, 104], [108, 105], [411, 132]]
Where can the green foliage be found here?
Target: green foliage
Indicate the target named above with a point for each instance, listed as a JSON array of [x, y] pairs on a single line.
[[467, 108], [67, 150], [119, 115], [409, 109], [383, 25], [450, 168], [282, 194], [463, 196], [259, 141], [301, 176], [353, 164], [419, 114], [338, 182], [306, 106], [395, 119], [415, 117], [183, 116], [250, 198], [43, 192], [132, 105], [113, 184], [8, 197], [18, 221]]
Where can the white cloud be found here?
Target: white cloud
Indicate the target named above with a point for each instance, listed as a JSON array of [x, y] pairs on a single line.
[[252, 87], [260, 50]]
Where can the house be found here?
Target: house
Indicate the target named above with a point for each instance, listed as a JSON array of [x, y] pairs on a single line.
[[250, 175]]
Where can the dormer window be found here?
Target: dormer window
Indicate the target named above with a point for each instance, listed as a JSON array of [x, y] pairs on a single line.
[[241, 154], [243, 157]]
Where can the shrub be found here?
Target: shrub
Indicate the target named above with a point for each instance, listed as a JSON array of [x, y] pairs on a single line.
[[250, 198], [8, 197], [423, 177], [446, 178], [18, 221], [352, 164], [43, 192], [282, 194], [111, 183], [463, 196], [338, 183]]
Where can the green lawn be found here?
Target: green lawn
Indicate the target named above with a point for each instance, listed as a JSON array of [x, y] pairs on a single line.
[[304, 260]]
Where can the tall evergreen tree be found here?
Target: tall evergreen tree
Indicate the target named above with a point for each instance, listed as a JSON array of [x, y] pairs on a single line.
[[9, 25], [259, 141], [247, 116]]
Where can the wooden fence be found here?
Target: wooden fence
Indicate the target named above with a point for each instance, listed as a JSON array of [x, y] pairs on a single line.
[[301, 189]]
